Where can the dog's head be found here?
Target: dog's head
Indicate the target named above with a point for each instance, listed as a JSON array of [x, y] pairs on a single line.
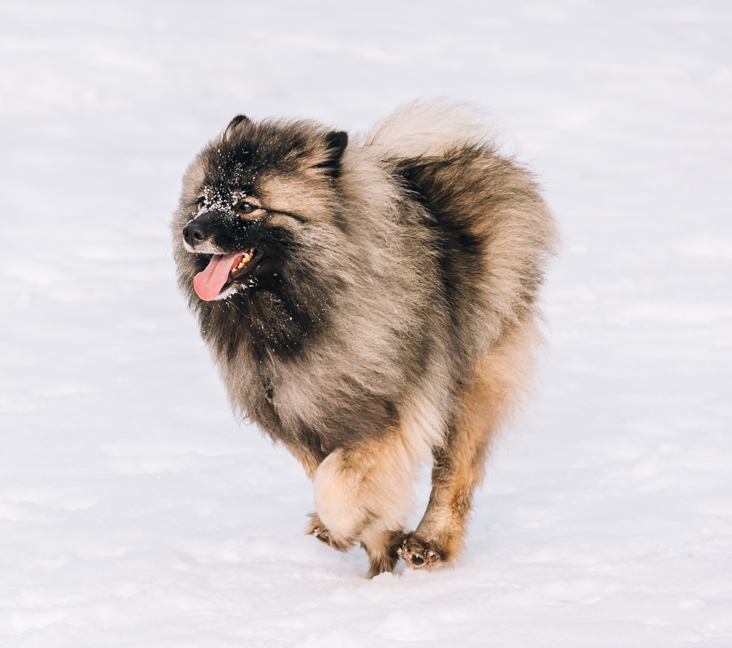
[[262, 230], [251, 200]]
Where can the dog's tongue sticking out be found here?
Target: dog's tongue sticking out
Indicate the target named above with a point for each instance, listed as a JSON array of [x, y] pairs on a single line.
[[208, 284]]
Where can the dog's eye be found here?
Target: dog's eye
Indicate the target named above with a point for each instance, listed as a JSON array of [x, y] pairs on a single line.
[[200, 202], [246, 208]]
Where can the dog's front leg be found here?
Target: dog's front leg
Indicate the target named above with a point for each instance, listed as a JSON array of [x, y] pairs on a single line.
[[364, 494]]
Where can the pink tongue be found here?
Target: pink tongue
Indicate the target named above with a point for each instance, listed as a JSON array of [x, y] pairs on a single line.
[[208, 284]]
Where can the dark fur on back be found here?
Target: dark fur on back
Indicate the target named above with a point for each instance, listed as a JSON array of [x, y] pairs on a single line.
[[392, 269]]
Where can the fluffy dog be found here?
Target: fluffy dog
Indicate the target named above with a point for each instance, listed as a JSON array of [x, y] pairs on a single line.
[[371, 305]]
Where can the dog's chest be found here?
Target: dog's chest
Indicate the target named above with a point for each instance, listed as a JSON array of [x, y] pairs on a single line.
[[295, 396]]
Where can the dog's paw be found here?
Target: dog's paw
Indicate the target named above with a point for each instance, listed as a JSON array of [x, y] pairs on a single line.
[[383, 555], [316, 528], [420, 554]]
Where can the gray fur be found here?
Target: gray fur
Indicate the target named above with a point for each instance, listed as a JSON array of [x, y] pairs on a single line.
[[406, 259]]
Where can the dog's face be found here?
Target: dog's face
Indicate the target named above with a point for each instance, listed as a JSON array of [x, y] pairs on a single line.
[[260, 228], [252, 201]]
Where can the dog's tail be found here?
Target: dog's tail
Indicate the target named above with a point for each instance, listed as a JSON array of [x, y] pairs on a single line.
[[426, 128]]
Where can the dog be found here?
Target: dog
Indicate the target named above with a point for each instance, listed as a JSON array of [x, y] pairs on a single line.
[[371, 303]]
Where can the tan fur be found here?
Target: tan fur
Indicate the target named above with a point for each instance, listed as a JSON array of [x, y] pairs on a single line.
[[496, 388], [365, 495], [294, 195]]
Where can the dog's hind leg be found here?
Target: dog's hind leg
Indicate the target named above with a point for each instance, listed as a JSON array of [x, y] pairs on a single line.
[[484, 406], [364, 494]]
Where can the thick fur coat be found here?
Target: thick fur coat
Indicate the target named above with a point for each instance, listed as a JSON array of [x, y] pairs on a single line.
[[371, 304]]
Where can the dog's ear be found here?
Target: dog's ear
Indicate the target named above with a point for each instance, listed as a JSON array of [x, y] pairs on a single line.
[[233, 124], [335, 143]]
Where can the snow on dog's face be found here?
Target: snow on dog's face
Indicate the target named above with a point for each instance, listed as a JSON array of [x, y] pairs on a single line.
[[260, 220]]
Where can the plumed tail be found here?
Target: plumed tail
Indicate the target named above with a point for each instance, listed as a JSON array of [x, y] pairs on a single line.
[[426, 128]]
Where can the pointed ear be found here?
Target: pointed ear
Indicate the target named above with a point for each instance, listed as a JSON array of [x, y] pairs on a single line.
[[335, 144], [233, 125]]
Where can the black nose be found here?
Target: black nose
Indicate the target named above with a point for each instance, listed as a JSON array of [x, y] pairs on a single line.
[[195, 233]]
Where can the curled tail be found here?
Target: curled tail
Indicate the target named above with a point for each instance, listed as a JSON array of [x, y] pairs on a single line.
[[423, 128]]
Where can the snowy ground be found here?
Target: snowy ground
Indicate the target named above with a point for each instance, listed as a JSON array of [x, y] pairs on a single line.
[[134, 510]]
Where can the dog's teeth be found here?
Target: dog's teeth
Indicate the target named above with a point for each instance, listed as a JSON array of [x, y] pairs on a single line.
[[244, 260]]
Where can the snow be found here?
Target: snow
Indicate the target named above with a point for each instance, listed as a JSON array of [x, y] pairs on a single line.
[[135, 511]]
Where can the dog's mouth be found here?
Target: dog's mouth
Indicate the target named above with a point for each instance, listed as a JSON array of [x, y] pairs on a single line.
[[222, 271]]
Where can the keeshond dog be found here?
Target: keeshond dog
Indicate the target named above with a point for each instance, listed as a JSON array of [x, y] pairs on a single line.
[[371, 303]]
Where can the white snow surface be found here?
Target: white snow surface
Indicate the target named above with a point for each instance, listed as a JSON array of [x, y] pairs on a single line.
[[135, 511]]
